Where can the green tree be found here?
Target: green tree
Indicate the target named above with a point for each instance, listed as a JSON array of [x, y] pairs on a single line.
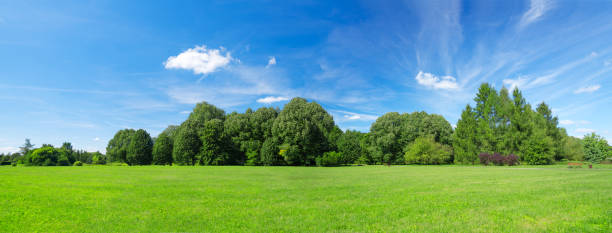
[[139, 151], [270, 153], [596, 148], [27, 147], [464, 139], [552, 130], [349, 146], [212, 151], [44, 156], [303, 128], [98, 158], [572, 149], [202, 113], [162, 150], [118, 145], [384, 135], [171, 131], [186, 146]]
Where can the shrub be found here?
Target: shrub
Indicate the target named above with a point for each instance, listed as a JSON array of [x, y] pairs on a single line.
[[78, 163], [63, 161], [497, 159], [485, 158], [424, 150], [329, 159], [512, 160]]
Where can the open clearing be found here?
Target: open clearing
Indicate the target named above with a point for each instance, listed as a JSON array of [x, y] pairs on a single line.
[[305, 199]]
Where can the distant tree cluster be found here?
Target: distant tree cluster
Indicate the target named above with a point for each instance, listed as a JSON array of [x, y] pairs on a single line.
[[304, 134], [47, 155]]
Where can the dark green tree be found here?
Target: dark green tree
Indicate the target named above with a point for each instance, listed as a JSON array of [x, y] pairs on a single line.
[[464, 138], [213, 143], [301, 129], [118, 145], [349, 146], [162, 150], [139, 151], [186, 145]]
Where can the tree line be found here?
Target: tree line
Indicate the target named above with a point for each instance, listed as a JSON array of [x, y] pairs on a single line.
[[48, 155], [501, 128], [501, 125]]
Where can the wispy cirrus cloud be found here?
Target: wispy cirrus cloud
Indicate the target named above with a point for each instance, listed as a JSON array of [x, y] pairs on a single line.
[[587, 89], [585, 130], [353, 116], [537, 9], [432, 81], [199, 59]]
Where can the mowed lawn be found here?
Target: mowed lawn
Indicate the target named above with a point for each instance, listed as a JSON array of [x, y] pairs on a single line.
[[305, 199]]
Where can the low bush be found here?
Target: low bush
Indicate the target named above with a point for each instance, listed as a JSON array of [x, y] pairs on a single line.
[[78, 163], [498, 159], [425, 150], [485, 158], [512, 160], [329, 159]]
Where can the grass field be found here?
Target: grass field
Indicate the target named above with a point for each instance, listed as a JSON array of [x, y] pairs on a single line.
[[306, 199]]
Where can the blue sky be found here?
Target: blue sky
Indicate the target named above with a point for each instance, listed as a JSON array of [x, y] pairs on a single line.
[[79, 71]]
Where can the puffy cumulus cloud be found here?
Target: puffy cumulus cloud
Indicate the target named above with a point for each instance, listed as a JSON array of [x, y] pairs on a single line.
[[271, 62], [199, 59], [587, 89], [435, 82], [271, 99]]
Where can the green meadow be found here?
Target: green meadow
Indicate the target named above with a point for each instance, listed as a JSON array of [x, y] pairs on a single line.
[[306, 199]]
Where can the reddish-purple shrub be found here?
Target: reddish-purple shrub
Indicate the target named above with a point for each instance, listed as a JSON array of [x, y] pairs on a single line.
[[512, 160], [485, 158], [497, 159]]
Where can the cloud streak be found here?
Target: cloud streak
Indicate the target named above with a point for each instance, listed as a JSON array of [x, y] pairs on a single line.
[[536, 10], [587, 89], [272, 99]]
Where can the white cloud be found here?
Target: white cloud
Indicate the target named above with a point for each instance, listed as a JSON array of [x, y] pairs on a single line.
[[570, 122], [513, 83], [584, 130], [199, 59], [536, 10], [271, 62], [351, 116], [271, 99], [587, 89], [9, 149], [96, 139], [432, 81], [185, 112]]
